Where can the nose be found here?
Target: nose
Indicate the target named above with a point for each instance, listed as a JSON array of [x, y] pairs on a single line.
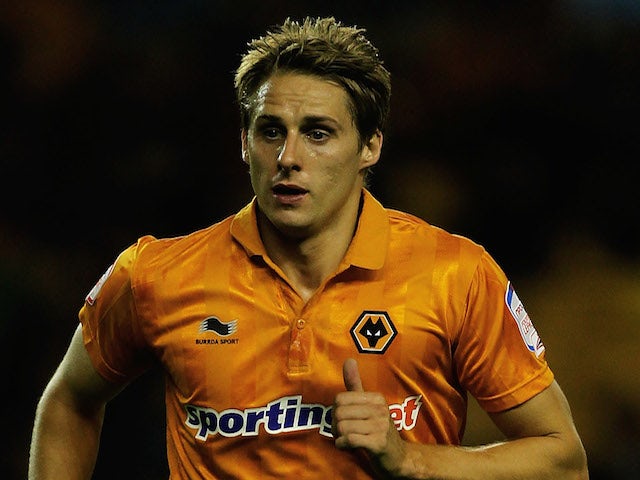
[[289, 154]]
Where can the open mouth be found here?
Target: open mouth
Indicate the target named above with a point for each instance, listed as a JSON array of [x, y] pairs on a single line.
[[289, 194], [288, 190]]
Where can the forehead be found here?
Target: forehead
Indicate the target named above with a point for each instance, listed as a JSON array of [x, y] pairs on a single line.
[[292, 94]]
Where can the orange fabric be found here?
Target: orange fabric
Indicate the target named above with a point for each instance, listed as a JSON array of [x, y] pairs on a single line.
[[249, 392]]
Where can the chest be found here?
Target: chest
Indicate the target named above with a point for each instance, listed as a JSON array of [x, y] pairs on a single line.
[[245, 333]]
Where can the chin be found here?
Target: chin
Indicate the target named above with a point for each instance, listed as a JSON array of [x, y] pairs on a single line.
[[292, 230], [287, 223]]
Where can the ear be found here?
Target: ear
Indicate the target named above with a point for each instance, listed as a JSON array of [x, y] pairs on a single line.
[[243, 139], [371, 150]]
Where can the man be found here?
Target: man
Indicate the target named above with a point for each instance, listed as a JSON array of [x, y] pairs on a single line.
[[314, 334]]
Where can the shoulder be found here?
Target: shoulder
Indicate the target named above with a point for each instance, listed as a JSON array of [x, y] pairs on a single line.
[[149, 246], [442, 243], [450, 260], [150, 254]]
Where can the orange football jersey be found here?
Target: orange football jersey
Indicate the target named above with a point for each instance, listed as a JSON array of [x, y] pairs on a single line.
[[252, 370]]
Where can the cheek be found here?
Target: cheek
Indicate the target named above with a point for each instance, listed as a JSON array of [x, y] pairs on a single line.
[[254, 169], [252, 158], [339, 177], [258, 171], [347, 167], [260, 157]]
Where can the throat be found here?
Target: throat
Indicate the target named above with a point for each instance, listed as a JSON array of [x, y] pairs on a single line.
[[308, 261], [308, 273], [308, 264]]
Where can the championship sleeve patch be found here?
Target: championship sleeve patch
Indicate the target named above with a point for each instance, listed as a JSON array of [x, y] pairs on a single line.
[[95, 291], [525, 325]]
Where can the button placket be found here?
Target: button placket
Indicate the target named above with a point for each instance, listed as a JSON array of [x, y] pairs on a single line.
[[299, 346]]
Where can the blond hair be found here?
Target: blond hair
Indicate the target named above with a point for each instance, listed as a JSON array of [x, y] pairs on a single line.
[[325, 48]]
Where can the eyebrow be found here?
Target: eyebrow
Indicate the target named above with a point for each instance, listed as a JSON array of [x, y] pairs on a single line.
[[308, 120], [268, 118]]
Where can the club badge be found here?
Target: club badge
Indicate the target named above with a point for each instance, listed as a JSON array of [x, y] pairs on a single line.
[[373, 332]]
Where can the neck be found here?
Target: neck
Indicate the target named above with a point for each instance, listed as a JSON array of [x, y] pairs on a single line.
[[308, 260]]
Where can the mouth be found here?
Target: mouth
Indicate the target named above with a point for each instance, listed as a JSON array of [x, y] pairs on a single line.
[[286, 193]]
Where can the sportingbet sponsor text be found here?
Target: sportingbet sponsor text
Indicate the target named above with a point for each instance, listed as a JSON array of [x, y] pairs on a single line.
[[285, 414]]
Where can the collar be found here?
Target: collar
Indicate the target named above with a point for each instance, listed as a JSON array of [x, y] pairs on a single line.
[[368, 247]]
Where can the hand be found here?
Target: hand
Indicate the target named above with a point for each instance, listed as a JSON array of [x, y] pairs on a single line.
[[361, 420]]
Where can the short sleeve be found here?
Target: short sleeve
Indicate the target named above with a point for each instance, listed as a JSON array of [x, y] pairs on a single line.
[[110, 323], [500, 358]]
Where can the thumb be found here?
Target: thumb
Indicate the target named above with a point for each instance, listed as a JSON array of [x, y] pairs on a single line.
[[351, 376]]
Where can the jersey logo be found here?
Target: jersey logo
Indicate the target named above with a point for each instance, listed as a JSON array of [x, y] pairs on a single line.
[[213, 324], [92, 296], [525, 325], [373, 332], [282, 415]]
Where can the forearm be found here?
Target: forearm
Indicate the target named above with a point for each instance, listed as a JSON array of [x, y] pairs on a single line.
[[65, 441], [535, 458]]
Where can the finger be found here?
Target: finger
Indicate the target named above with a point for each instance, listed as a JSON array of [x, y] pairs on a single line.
[[351, 376]]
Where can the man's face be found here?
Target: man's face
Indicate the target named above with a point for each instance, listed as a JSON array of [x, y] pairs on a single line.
[[302, 149]]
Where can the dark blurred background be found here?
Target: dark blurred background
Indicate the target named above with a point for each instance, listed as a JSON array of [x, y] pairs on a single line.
[[513, 123]]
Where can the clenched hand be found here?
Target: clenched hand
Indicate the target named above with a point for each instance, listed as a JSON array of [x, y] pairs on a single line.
[[361, 420]]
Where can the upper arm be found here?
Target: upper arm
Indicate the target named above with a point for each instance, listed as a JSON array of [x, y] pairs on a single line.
[[545, 415], [76, 380]]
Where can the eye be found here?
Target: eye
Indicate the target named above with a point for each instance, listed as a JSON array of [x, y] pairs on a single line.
[[271, 133], [317, 135]]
